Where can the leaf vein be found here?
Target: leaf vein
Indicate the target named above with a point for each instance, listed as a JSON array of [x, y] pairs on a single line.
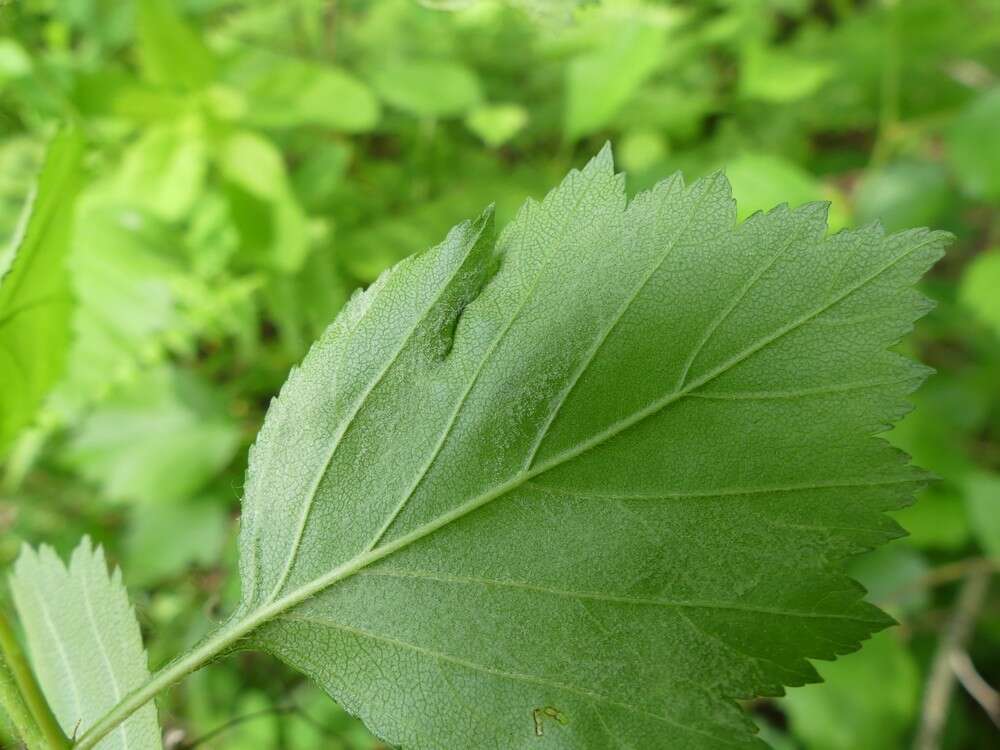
[[613, 323], [611, 598], [356, 408]]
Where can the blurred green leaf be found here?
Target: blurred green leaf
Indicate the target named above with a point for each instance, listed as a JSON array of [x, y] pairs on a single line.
[[982, 498], [937, 520], [862, 704], [160, 438], [304, 304], [761, 181], [14, 60], [775, 75], [164, 171], [497, 123], [642, 149], [35, 297], [891, 575], [317, 179], [369, 249], [601, 80], [905, 194], [946, 411], [288, 92], [774, 737], [124, 267], [170, 50], [107, 22], [427, 88], [974, 146], [980, 288], [677, 111], [21, 158], [165, 539], [110, 92], [271, 223]]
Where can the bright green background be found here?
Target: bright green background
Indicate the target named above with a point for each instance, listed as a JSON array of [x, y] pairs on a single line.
[[249, 163]]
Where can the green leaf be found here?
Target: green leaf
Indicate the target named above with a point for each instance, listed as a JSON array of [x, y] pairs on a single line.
[[163, 172], [35, 298], [126, 274], [892, 577], [600, 81], [171, 52], [905, 193], [982, 498], [271, 223], [160, 438], [974, 146], [427, 88], [863, 704], [978, 290], [286, 92], [937, 521], [761, 180], [496, 123], [583, 484], [641, 149], [164, 539], [775, 75], [83, 641]]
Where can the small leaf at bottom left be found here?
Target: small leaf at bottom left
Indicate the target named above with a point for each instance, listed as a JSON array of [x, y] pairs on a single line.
[[83, 642]]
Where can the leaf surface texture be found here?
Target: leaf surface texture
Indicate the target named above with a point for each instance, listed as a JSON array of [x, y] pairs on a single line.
[[582, 484]]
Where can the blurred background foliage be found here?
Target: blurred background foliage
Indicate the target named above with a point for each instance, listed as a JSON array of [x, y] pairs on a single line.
[[249, 163]]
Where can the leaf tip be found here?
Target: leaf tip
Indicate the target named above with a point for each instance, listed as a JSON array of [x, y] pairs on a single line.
[[603, 161]]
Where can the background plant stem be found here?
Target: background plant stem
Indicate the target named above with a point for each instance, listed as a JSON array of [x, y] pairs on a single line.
[[937, 696], [13, 704], [30, 692]]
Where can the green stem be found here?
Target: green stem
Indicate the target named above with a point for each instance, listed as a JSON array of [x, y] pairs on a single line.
[[169, 675], [13, 703], [30, 692]]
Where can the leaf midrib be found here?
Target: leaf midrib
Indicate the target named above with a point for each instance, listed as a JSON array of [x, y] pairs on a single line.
[[600, 596], [446, 433], [105, 659], [60, 650], [263, 614]]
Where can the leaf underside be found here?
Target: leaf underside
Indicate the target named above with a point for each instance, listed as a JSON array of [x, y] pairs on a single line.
[[583, 484], [84, 642]]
